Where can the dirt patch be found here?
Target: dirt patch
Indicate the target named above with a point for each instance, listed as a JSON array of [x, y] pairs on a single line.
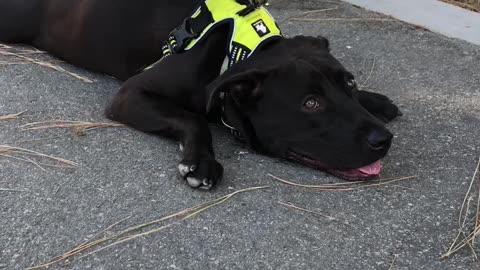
[[473, 5]]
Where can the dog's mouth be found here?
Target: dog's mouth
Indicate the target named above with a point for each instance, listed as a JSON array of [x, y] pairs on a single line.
[[365, 173]]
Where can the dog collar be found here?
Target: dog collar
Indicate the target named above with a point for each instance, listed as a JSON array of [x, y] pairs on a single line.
[[237, 134], [251, 25]]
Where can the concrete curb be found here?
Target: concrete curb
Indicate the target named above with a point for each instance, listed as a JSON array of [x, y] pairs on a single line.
[[434, 15]]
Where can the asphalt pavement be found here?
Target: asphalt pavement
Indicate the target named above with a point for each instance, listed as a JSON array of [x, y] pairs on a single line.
[[123, 173]]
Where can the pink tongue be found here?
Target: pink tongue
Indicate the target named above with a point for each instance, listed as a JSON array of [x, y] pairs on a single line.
[[372, 169]]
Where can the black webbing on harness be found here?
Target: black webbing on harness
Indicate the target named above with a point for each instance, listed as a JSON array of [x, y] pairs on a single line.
[[190, 29]]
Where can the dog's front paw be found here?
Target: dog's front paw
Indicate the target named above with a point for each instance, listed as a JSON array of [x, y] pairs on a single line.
[[379, 105], [202, 174]]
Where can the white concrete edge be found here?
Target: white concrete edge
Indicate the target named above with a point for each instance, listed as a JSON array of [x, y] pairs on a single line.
[[439, 17]]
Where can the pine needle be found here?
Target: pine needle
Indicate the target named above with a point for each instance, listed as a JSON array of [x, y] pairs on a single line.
[[345, 186], [309, 12], [12, 116], [343, 20], [473, 7], [9, 152], [463, 221], [79, 127], [11, 190], [290, 205], [364, 84], [393, 263], [129, 234], [44, 64]]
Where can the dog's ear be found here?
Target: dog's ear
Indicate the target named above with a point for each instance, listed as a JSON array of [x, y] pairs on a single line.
[[318, 42], [323, 42], [243, 86]]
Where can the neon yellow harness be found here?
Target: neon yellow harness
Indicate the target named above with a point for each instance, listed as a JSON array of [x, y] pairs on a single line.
[[250, 27]]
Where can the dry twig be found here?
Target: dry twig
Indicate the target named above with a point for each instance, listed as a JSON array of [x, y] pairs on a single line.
[[127, 234]]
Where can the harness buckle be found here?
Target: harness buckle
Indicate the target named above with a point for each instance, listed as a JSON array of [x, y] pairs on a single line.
[[256, 3], [180, 36], [252, 5]]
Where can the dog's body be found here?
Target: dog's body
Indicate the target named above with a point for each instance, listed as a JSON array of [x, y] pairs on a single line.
[[291, 99]]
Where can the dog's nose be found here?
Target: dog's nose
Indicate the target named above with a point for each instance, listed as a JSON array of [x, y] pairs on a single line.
[[379, 139]]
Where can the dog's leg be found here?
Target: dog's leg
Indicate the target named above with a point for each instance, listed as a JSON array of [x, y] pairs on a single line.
[[19, 20], [379, 105], [171, 99], [149, 112]]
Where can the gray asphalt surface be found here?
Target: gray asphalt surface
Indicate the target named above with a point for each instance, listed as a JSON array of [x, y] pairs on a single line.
[[124, 173]]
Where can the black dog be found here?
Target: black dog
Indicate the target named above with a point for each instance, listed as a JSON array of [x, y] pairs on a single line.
[[292, 99]]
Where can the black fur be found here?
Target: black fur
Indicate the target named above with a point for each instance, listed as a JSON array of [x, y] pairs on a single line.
[[265, 95]]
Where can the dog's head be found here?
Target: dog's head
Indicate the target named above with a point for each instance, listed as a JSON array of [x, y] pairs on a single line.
[[294, 100]]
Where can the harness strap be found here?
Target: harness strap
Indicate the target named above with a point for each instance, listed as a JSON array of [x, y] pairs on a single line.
[[190, 29], [250, 26]]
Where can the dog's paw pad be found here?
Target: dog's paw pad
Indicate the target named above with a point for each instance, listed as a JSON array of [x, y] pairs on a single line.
[[194, 182], [206, 184], [202, 174], [186, 169]]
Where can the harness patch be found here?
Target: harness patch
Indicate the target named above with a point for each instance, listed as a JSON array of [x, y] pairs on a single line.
[[261, 28]]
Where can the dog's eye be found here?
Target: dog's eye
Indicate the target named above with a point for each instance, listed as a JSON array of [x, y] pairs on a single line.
[[313, 104], [351, 83]]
